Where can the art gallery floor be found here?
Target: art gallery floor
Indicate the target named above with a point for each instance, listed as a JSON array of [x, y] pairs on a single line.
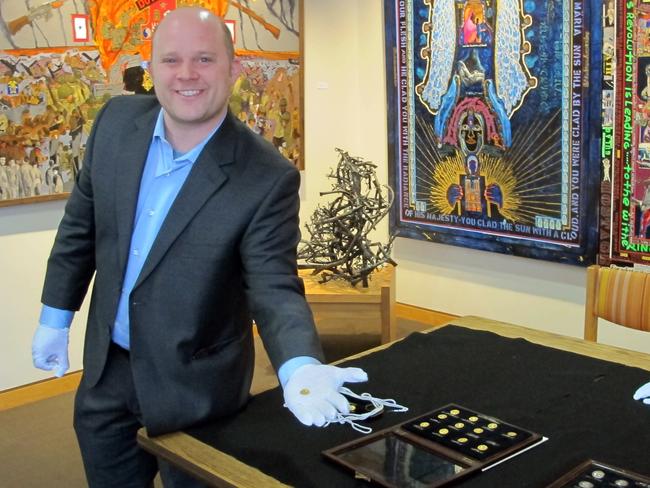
[[37, 443]]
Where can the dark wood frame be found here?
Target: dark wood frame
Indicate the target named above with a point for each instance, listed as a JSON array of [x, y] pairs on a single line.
[[37, 199], [470, 465], [590, 464]]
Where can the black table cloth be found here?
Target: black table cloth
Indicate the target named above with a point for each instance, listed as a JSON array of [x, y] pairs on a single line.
[[583, 405]]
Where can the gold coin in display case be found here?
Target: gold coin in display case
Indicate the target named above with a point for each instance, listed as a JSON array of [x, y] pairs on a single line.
[[598, 474]]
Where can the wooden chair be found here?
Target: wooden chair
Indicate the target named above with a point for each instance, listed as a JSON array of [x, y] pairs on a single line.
[[619, 295]]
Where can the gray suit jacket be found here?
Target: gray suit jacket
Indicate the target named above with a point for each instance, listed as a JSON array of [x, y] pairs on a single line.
[[225, 254]]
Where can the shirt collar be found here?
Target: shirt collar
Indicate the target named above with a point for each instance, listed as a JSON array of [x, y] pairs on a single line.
[[167, 163]]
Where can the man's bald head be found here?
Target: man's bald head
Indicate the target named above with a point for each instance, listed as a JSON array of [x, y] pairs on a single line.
[[180, 16]]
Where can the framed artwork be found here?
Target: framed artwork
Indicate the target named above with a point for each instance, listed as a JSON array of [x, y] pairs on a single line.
[[267, 98], [61, 60], [48, 100], [625, 148], [491, 140]]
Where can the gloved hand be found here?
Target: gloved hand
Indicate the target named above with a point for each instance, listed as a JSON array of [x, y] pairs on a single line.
[[50, 349], [312, 395], [643, 393]]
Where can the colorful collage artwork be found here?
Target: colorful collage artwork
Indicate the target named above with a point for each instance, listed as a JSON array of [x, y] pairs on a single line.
[[61, 60], [489, 133], [625, 157]]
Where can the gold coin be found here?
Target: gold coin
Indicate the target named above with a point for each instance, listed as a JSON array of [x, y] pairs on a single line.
[[454, 411], [482, 447], [598, 474], [443, 431], [305, 391], [492, 425], [459, 425], [478, 430], [424, 424], [473, 418], [462, 440]]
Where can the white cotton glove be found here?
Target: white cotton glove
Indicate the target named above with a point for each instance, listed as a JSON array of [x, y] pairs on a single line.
[[312, 392], [643, 393], [50, 349]]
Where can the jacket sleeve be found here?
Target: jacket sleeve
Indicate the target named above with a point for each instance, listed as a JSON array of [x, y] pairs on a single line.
[[71, 264], [274, 290]]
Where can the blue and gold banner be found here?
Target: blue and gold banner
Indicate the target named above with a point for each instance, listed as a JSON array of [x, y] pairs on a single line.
[[489, 118]]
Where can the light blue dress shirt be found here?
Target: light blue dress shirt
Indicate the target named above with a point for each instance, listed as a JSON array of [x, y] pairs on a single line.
[[164, 173]]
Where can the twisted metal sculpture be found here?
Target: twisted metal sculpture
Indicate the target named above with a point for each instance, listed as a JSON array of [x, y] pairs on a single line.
[[339, 246]]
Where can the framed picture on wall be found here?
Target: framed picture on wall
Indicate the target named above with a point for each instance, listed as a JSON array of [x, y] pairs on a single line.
[[491, 107], [61, 61], [625, 154]]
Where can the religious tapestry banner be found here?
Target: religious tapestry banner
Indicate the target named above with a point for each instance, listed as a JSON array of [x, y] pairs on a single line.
[[490, 140]]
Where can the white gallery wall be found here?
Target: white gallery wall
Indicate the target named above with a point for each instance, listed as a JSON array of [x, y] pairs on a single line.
[[345, 106], [26, 236]]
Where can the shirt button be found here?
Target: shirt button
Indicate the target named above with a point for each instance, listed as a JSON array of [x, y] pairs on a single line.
[[151, 212], [136, 252]]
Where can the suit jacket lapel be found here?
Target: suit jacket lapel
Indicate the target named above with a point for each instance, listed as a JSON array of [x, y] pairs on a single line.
[[205, 178], [128, 173]]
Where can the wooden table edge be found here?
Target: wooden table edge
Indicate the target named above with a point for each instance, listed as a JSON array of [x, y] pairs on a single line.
[[202, 461], [615, 354], [627, 357]]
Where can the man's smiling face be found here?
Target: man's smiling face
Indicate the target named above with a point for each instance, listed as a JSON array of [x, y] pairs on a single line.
[[192, 69]]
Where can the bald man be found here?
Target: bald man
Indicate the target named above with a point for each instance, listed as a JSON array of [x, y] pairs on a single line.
[[188, 222]]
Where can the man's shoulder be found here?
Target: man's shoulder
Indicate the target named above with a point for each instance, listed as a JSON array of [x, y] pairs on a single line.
[[131, 105], [256, 148]]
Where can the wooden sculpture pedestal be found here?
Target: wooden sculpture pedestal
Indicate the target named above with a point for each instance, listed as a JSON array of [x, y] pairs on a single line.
[[337, 305]]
